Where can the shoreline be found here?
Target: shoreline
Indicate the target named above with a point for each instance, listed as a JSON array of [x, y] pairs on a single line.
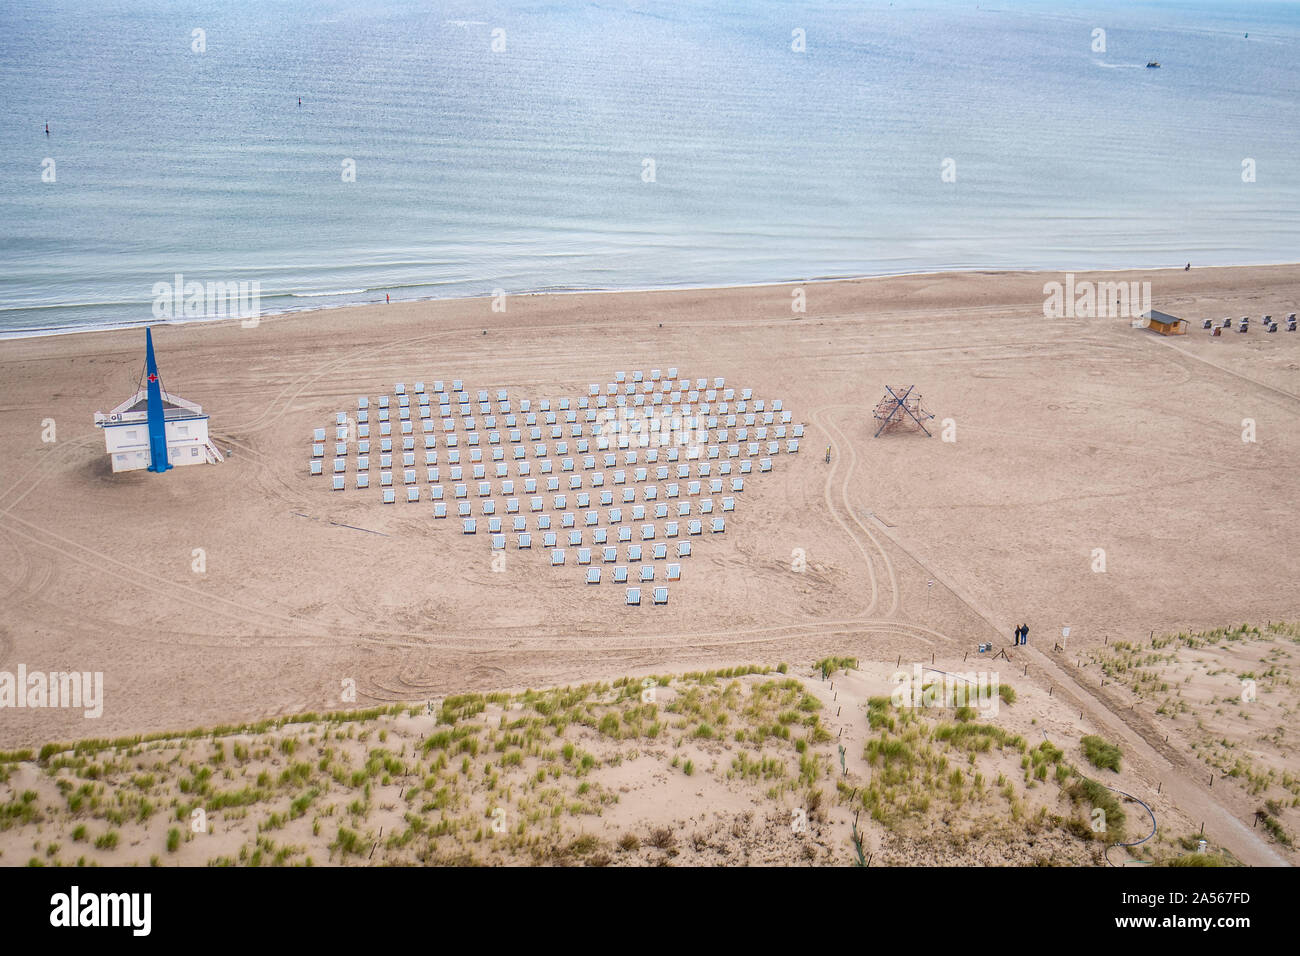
[[52, 332]]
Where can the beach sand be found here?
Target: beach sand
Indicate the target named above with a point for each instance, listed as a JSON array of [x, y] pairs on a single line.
[[1071, 435]]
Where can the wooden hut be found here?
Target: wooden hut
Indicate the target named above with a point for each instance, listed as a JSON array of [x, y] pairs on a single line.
[[1164, 323]]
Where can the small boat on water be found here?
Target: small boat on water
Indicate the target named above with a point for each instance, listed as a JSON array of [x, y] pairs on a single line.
[[1153, 65]]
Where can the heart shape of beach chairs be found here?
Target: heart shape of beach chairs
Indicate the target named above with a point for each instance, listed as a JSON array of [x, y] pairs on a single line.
[[618, 480]]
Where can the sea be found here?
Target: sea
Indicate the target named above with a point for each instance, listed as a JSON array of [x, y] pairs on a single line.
[[333, 153]]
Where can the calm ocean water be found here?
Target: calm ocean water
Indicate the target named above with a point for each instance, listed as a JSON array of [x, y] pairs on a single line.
[[522, 169]]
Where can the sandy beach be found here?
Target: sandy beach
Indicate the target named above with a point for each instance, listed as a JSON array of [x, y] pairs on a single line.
[[1071, 435]]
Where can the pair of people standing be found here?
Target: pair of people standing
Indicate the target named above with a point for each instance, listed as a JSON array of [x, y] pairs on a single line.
[[1022, 634]]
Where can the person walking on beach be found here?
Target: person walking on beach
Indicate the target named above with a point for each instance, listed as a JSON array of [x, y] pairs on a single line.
[[388, 300]]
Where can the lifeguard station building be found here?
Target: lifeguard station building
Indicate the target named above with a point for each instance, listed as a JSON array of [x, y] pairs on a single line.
[[154, 429]]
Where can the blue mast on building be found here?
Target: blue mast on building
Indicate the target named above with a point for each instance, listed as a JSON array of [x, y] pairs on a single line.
[[157, 421]]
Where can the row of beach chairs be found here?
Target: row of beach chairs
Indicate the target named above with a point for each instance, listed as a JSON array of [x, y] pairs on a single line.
[[550, 539], [1244, 325]]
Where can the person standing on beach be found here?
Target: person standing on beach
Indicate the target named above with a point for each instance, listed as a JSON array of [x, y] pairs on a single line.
[[388, 299], [1024, 633]]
